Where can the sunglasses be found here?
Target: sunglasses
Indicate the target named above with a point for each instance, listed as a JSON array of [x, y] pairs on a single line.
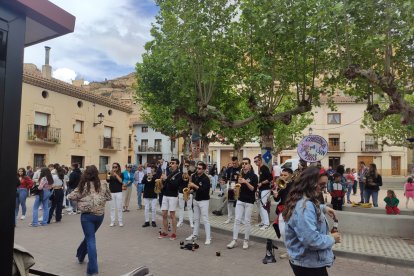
[[172, 163], [115, 167], [245, 163]]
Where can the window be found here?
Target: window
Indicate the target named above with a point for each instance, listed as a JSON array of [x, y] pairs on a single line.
[[41, 125], [78, 159], [333, 142], [39, 161], [144, 129], [129, 159], [157, 145], [78, 126], [370, 139], [334, 162], [334, 118], [144, 144], [130, 141], [103, 162], [107, 140]]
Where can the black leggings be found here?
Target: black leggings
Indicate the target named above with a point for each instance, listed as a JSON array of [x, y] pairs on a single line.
[[307, 271]]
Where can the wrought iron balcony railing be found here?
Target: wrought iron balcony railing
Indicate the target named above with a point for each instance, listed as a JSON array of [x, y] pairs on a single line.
[[43, 134], [142, 148], [110, 143], [370, 146], [336, 147]]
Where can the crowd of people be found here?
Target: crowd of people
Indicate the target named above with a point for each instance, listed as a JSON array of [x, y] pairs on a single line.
[[300, 213]]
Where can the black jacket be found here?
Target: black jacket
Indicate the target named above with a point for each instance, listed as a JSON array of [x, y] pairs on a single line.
[[265, 174], [74, 178], [149, 187], [246, 195], [202, 181], [172, 184]]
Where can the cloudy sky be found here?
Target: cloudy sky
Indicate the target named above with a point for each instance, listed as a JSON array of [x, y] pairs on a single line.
[[108, 40]]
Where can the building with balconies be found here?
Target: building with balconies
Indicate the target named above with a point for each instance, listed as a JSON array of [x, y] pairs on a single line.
[[152, 145], [348, 142], [63, 123]]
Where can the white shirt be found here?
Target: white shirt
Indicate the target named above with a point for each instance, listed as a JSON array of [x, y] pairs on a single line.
[[138, 176], [277, 170]]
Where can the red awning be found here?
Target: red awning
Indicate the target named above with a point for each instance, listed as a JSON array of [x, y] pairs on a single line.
[[44, 20]]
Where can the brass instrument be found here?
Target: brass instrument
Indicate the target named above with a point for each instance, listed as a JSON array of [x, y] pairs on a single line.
[[186, 176], [281, 184], [149, 177], [186, 193], [237, 191], [158, 186]]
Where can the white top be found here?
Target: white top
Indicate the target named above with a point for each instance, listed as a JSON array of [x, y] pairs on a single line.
[[277, 170]]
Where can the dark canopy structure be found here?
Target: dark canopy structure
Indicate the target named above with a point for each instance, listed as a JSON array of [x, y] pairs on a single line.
[[22, 23]]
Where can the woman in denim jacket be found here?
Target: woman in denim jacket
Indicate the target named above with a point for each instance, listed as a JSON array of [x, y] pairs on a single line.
[[307, 236]]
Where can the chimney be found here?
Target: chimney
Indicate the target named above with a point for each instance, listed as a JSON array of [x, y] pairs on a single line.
[[47, 69]]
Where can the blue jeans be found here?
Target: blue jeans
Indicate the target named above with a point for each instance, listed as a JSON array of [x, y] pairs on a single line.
[[42, 199], [90, 224], [21, 200], [368, 193], [348, 192], [361, 189], [140, 190]]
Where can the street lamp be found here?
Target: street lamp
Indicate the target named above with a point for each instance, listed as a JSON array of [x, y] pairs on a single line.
[[100, 119], [310, 131]]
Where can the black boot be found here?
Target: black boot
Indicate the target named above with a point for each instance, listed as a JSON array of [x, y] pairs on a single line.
[[153, 224], [146, 224], [270, 255]]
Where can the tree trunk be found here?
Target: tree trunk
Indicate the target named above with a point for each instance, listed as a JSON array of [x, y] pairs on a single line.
[[195, 140], [186, 147]]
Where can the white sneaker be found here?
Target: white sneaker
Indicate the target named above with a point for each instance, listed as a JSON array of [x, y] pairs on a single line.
[[228, 221], [41, 218], [208, 242], [191, 237], [192, 225], [121, 224], [112, 224], [264, 227], [69, 209], [232, 244], [179, 224], [22, 217], [260, 225], [245, 244]]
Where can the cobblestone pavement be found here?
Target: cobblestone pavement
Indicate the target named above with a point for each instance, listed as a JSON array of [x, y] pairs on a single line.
[[122, 249]]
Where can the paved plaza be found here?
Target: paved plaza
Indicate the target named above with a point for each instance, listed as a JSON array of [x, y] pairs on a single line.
[[122, 249]]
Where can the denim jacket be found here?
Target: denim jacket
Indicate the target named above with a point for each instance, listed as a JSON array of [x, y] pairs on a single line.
[[307, 238]]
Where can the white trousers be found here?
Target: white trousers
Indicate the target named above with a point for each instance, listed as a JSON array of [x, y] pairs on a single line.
[[282, 227], [116, 202], [264, 195], [230, 209], [150, 203], [181, 204], [246, 208], [201, 212]]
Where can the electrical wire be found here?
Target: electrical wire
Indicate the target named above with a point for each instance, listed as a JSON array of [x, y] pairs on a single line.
[[338, 126]]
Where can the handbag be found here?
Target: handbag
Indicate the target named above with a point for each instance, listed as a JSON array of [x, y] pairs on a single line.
[[35, 190]]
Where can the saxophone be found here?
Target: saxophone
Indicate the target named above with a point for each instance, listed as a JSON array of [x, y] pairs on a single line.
[[187, 190], [237, 187], [158, 185]]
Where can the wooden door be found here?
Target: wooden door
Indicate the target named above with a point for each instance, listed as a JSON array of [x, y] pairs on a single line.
[[284, 158], [225, 157], [367, 160], [395, 165]]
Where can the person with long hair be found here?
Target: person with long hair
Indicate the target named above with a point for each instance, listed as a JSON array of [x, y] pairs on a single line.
[[91, 196], [373, 181], [307, 236], [409, 191], [26, 183], [58, 193], [115, 179], [45, 185]]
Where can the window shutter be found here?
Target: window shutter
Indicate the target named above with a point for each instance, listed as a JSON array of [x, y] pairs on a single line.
[[41, 119], [108, 132]]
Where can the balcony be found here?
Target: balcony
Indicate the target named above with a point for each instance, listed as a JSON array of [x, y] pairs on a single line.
[[336, 147], [110, 144], [370, 146], [147, 149], [43, 134]]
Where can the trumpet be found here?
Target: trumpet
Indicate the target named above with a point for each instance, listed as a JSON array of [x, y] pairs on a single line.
[[149, 177], [186, 176], [281, 184], [158, 186]]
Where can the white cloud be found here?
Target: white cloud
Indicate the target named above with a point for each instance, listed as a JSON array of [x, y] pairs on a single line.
[[64, 74], [108, 40]]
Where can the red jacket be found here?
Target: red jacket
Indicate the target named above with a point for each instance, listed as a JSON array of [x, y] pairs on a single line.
[[26, 183]]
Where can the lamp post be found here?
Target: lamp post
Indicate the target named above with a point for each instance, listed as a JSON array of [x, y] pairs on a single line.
[[100, 119]]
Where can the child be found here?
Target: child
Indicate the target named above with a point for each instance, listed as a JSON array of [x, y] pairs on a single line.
[[349, 176], [392, 203], [337, 191], [409, 191]]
